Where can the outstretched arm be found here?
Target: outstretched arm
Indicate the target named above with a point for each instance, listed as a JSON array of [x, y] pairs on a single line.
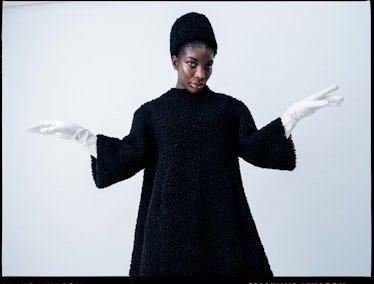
[[308, 106], [69, 131]]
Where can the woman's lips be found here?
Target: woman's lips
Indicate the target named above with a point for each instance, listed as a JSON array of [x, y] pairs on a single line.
[[197, 85]]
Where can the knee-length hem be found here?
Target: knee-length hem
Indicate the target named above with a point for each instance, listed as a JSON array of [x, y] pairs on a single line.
[[194, 218]]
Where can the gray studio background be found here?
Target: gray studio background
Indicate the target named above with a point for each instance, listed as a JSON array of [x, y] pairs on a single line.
[[95, 63]]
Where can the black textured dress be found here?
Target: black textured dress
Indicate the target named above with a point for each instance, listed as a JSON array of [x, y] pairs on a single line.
[[194, 218]]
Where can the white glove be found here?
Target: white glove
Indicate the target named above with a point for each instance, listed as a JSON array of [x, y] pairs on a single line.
[[69, 131], [307, 107]]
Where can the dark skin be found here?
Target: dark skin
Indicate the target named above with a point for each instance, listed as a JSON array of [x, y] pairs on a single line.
[[194, 67]]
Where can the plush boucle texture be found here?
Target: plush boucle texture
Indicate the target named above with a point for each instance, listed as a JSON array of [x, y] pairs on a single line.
[[194, 218], [191, 27]]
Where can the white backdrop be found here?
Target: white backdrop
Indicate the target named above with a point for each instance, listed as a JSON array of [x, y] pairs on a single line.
[[95, 63]]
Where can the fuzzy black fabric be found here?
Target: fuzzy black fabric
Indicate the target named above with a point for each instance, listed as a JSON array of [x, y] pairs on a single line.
[[194, 218], [191, 27]]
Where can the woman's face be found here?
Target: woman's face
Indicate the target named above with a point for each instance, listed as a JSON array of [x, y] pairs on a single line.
[[194, 67]]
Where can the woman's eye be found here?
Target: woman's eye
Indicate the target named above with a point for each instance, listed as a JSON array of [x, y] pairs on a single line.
[[208, 67], [191, 64]]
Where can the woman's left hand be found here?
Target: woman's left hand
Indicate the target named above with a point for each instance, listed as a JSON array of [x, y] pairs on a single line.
[[308, 106]]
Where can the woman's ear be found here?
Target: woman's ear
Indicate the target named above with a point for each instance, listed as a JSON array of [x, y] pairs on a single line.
[[175, 62]]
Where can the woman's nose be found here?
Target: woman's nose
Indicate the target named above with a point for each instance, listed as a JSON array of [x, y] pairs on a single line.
[[200, 73]]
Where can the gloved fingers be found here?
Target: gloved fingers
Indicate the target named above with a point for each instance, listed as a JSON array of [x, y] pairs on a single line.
[[322, 94], [313, 104], [334, 100], [59, 128], [51, 130], [39, 127]]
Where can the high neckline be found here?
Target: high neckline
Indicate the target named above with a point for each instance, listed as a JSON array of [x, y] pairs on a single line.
[[205, 91]]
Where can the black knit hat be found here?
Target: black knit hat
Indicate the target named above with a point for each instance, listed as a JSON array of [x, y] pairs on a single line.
[[190, 27]]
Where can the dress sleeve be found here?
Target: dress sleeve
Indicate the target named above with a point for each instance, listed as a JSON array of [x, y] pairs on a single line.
[[267, 147], [119, 159]]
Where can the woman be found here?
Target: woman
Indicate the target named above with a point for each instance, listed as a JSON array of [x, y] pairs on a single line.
[[193, 219]]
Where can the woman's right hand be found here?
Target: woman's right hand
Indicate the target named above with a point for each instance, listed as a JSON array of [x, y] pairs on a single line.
[[69, 131], [65, 130]]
